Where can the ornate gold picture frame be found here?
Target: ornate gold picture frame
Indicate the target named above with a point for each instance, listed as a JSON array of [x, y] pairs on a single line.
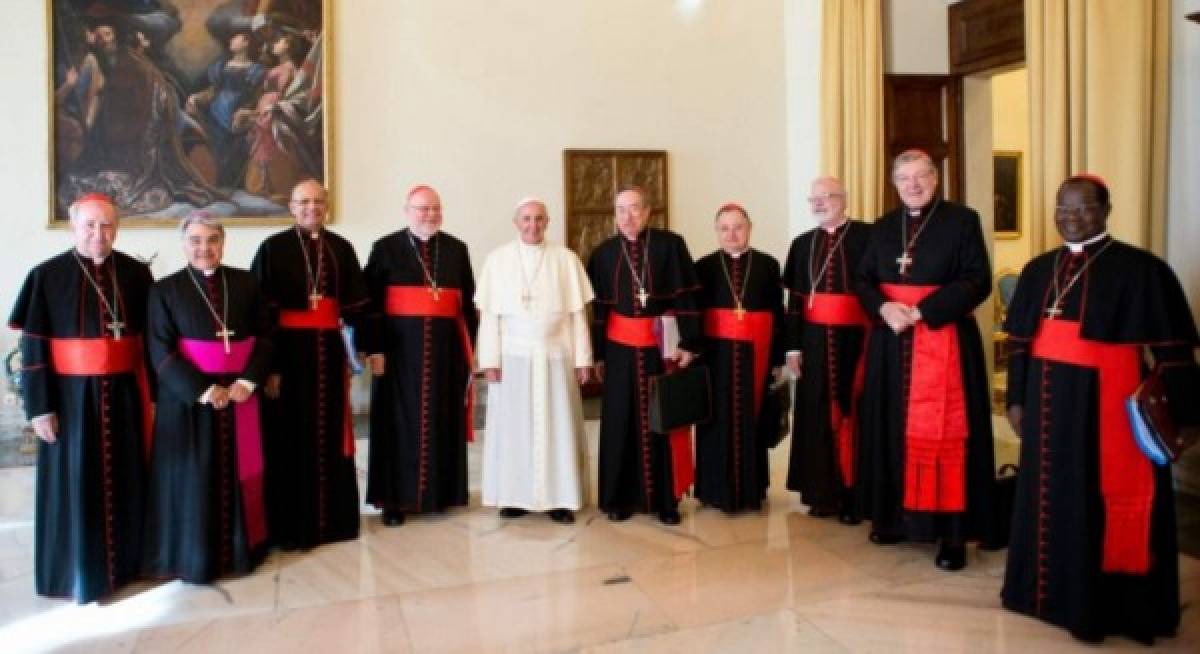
[[168, 106]]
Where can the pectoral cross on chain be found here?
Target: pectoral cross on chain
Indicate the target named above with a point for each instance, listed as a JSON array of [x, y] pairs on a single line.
[[314, 300], [1053, 312], [116, 326], [643, 297], [905, 261], [740, 312], [224, 333], [433, 290]]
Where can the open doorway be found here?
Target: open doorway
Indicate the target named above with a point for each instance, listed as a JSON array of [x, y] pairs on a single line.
[[996, 175]]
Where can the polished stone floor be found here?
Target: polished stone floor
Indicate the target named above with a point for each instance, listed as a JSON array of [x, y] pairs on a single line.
[[776, 581]]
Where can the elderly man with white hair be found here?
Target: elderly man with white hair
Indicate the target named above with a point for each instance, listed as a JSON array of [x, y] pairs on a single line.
[[826, 335], [207, 335], [420, 280], [82, 314], [925, 459], [535, 350]]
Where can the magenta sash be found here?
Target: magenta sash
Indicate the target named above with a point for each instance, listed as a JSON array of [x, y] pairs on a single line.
[[210, 357]]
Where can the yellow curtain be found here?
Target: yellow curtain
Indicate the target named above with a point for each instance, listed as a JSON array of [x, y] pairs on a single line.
[[852, 101], [1098, 98]]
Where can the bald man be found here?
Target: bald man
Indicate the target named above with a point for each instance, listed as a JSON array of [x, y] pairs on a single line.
[[826, 328], [313, 285], [421, 283], [743, 322], [82, 315]]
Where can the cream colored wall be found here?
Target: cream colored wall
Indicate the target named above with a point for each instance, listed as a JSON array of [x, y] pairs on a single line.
[[480, 97], [1183, 192], [1010, 131], [917, 40]]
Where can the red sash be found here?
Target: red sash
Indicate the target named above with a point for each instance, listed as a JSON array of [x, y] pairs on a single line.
[[93, 357], [210, 357], [935, 430], [631, 332], [842, 310], [753, 327], [420, 302], [1126, 477], [641, 332], [327, 315]]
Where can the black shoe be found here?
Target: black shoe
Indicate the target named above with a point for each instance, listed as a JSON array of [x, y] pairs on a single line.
[[848, 517], [393, 518], [951, 557], [669, 516], [820, 512], [884, 539], [619, 516], [512, 512], [563, 516]]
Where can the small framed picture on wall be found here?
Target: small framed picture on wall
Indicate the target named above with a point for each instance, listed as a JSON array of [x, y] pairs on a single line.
[[1006, 186]]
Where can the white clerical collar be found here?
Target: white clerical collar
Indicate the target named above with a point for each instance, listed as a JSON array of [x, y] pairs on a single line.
[[833, 228], [531, 246], [736, 255], [419, 237], [1076, 248], [88, 258], [312, 234], [209, 273]]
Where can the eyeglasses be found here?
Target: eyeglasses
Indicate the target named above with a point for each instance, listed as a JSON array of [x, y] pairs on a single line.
[[901, 180], [424, 208], [825, 197], [1075, 210]]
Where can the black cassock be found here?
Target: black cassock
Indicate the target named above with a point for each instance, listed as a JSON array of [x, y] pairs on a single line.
[[419, 422], [1125, 296], [635, 469], [312, 486], [90, 483], [831, 355], [197, 524], [949, 252], [731, 450]]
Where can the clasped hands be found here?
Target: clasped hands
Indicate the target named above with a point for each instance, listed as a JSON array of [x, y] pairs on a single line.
[[899, 316], [220, 396]]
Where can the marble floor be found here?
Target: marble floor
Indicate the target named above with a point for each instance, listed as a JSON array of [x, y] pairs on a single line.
[[776, 581]]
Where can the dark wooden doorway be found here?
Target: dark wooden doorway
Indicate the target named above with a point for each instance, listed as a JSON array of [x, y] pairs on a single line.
[[924, 111]]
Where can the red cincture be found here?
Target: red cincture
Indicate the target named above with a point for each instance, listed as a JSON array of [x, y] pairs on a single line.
[[935, 426]]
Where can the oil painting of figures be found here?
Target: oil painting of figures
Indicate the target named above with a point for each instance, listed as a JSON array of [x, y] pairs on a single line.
[[173, 105]]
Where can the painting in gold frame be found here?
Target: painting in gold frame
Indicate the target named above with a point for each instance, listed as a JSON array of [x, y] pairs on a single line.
[[1006, 188], [169, 106]]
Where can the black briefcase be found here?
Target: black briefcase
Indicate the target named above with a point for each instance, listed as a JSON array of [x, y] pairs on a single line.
[[680, 398]]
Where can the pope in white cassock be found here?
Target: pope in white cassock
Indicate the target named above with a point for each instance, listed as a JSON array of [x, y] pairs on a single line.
[[534, 348]]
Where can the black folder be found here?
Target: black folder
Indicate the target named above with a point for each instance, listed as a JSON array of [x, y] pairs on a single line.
[[680, 398]]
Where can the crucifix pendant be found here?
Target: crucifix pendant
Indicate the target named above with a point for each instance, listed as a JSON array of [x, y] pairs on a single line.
[[314, 300], [433, 290], [116, 326], [526, 298], [740, 312], [905, 261], [643, 297], [1053, 312], [224, 333]]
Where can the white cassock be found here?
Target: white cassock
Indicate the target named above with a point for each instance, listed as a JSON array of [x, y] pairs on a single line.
[[533, 327]]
